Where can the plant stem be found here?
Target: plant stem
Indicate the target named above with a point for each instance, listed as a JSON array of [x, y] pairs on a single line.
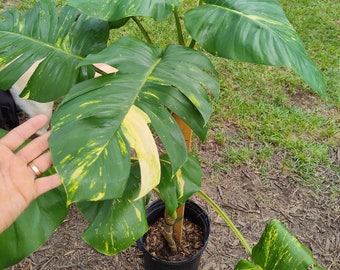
[[227, 220], [192, 43], [179, 29], [168, 233], [142, 29]]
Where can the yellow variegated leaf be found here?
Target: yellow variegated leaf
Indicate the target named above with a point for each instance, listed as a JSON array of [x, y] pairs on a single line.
[[136, 130], [60, 43], [180, 183]]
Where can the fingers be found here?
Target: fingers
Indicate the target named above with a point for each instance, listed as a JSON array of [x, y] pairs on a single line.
[[19, 134], [34, 148], [47, 183], [42, 163]]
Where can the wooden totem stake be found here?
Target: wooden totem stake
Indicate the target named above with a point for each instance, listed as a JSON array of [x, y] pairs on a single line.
[[178, 227]]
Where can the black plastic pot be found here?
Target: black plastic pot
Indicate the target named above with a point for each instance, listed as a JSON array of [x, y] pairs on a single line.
[[195, 214], [8, 115]]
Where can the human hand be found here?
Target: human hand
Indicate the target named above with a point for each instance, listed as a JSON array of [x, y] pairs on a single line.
[[20, 181]]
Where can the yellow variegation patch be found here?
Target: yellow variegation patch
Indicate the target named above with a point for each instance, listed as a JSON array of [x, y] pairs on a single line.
[[136, 130], [180, 182]]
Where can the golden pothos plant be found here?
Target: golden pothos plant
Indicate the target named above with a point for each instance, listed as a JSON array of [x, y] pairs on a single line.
[[101, 119]]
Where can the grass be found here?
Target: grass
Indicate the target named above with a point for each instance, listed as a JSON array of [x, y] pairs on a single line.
[[23, 5], [275, 112], [271, 111]]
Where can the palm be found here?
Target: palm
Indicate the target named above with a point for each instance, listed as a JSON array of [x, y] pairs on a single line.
[[18, 183]]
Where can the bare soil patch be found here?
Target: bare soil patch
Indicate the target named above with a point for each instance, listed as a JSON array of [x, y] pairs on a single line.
[[8, 4], [314, 218]]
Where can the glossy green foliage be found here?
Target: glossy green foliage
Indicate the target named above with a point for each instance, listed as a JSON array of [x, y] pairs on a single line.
[[175, 190], [244, 30], [278, 249], [116, 224], [96, 165], [34, 226], [116, 10], [61, 39], [254, 31], [97, 145], [32, 229]]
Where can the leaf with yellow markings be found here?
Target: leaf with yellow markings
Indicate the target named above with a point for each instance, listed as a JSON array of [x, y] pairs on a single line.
[[136, 130]]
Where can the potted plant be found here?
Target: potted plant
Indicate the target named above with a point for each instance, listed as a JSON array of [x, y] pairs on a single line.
[[103, 131]]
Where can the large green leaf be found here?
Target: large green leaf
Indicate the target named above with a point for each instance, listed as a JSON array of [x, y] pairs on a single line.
[[185, 69], [116, 224], [96, 164], [32, 229], [253, 31], [278, 249], [61, 39], [34, 226], [94, 160], [112, 10]]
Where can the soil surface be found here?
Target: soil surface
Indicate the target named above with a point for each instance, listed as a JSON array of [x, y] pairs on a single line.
[[251, 201], [314, 218], [155, 243]]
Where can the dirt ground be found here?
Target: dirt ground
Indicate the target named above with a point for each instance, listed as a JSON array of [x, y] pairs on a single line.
[[314, 218]]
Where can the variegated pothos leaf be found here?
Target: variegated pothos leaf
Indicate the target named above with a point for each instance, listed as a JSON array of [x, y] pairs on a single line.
[[254, 31], [175, 189], [34, 226], [278, 249], [94, 160], [116, 224], [112, 10], [136, 130], [62, 39]]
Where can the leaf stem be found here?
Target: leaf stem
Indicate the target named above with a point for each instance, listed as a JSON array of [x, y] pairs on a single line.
[[227, 220], [179, 28], [142, 29], [192, 43]]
